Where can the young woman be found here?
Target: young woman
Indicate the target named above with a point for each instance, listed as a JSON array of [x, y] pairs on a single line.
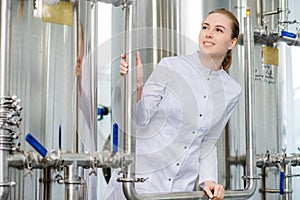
[[181, 111]]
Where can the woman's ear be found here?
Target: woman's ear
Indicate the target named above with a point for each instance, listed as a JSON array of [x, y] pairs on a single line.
[[232, 43]]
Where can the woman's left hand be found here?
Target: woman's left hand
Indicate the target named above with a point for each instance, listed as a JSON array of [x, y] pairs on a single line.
[[213, 190]]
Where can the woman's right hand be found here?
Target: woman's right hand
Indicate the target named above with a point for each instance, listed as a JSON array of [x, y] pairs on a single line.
[[123, 65], [139, 73], [139, 69]]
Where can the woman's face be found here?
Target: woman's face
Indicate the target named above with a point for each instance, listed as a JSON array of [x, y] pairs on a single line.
[[215, 36]]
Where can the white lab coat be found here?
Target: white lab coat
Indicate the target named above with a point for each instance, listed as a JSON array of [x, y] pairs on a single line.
[[182, 112]]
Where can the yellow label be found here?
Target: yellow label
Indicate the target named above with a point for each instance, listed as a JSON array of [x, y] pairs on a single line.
[[60, 13], [270, 55]]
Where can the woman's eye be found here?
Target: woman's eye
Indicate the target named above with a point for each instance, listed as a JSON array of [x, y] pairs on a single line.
[[219, 30], [204, 27]]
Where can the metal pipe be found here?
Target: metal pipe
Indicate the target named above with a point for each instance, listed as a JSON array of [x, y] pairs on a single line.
[[260, 12], [72, 182], [287, 195], [56, 159], [71, 172], [128, 187], [46, 184], [250, 134], [76, 29], [165, 196], [263, 184], [5, 135], [272, 160], [262, 35], [5, 47], [283, 15], [129, 99], [94, 72]]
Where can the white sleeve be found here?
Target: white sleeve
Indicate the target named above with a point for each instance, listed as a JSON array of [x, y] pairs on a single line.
[[209, 167], [152, 94]]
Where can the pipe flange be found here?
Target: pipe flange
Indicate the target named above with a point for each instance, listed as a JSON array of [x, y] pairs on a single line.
[[77, 181]]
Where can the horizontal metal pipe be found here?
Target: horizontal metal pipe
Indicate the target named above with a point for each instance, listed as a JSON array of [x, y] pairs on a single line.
[[262, 35], [272, 160], [290, 41], [237, 160], [33, 160], [130, 191]]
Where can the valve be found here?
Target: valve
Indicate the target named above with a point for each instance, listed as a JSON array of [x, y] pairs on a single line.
[[115, 138], [281, 182], [36, 145]]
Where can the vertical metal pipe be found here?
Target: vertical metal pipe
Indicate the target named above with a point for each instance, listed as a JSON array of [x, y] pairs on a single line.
[[72, 185], [76, 26], [94, 70], [250, 134], [5, 47], [283, 15], [4, 175], [282, 74], [5, 33], [249, 77], [129, 88], [71, 172], [287, 182], [227, 155], [260, 12], [160, 19], [46, 184], [263, 184]]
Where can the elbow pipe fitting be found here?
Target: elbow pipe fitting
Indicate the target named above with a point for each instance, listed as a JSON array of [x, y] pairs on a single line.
[[130, 193]]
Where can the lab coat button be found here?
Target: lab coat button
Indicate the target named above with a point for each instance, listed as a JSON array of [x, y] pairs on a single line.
[[177, 164], [204, 96], [170, 179], [200, 115]]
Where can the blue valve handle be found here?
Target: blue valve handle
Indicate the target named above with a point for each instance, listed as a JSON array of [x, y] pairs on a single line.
[[281, 183], [288, 34], [36, 145], [115, 138]]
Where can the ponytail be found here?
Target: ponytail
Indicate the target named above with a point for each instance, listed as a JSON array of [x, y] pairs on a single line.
[[227, 60]]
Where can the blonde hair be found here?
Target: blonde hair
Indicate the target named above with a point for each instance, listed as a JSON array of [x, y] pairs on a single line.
[[235, 27]]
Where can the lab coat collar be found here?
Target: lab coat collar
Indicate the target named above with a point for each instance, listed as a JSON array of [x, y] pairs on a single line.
[[194, 60]]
